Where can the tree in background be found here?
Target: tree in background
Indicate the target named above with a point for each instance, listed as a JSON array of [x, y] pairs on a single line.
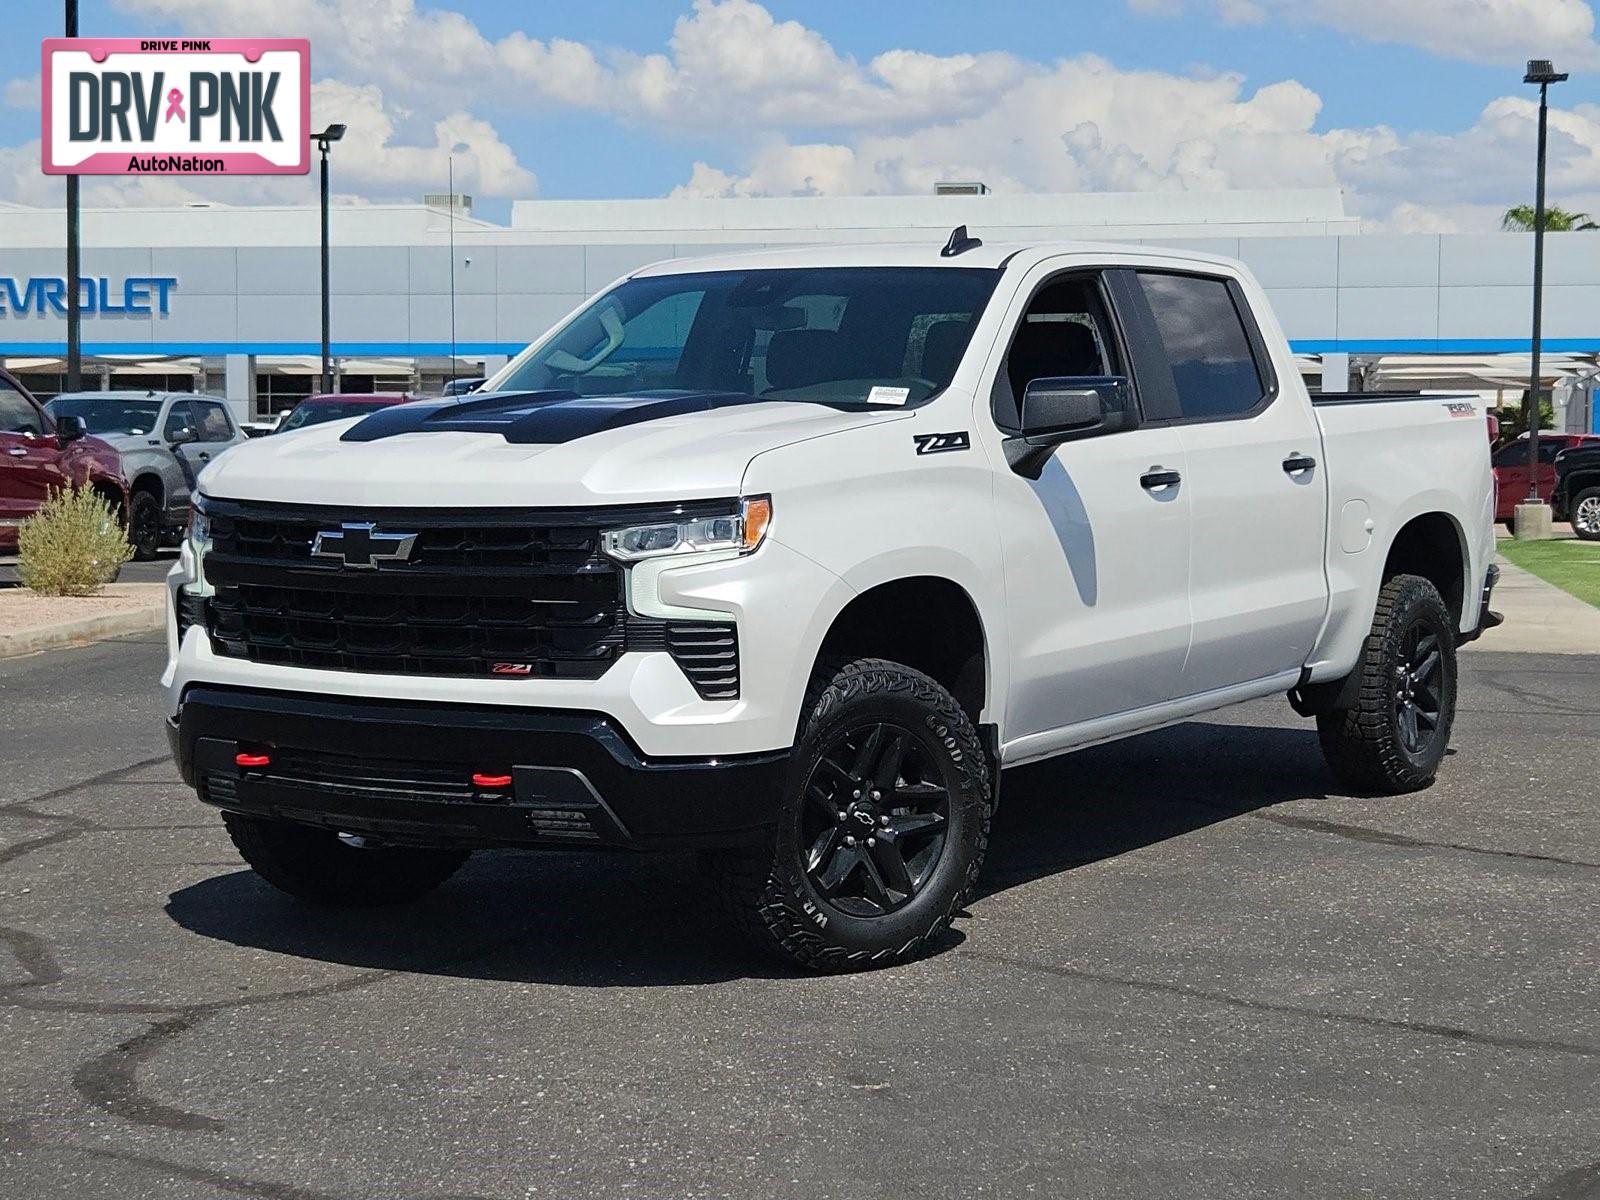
[[1514, 419], [1519, 219]]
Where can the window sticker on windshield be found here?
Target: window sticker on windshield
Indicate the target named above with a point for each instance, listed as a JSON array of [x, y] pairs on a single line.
[[888, 395]]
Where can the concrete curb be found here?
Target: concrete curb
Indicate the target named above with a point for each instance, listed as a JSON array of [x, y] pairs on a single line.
[[82, 631]]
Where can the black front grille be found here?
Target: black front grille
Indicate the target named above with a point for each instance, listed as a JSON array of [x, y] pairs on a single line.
[[388, 632], [528, 543], [495, 593]]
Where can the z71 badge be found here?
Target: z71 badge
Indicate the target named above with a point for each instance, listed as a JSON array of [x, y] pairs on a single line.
[[939, 443]]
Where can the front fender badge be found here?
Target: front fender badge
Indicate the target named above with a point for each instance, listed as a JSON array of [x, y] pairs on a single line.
[[942, 443]]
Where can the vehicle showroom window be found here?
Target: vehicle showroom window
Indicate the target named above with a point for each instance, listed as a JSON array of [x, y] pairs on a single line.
[[16, 414], [1214, 368]]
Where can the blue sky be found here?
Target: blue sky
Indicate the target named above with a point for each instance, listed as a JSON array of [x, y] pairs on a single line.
[[1413, 107]]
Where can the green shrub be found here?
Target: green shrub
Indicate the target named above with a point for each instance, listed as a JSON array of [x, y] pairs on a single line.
[[72, 545]]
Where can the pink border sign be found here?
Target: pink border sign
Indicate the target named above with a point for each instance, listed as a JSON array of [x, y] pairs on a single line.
[[115, 162]]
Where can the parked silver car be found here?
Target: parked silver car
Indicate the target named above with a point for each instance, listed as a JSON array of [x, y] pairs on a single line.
[[165, 439]]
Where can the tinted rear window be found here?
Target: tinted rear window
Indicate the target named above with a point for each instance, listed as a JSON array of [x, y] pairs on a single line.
[[1213, 367]]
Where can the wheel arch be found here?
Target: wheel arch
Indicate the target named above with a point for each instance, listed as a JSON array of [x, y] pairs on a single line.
[[1581, 481], [111, 491], [928, 622], [149, 481], [1433, 545]]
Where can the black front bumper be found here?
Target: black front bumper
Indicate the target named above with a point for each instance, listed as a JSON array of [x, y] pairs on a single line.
[[404, 772]]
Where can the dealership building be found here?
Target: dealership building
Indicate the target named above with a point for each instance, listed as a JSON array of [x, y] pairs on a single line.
[[224, 299]]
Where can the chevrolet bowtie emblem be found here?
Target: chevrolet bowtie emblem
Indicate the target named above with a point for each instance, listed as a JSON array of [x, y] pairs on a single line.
[[361, 546]]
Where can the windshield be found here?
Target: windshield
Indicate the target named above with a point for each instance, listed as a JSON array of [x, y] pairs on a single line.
[[829, 335], [110, 414], [315, 414]]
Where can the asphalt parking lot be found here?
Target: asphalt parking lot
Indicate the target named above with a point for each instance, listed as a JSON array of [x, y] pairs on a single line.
[[154, 571], [1195, 970]]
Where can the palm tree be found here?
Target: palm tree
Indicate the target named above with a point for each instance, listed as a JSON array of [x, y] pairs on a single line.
[[1519, 219]]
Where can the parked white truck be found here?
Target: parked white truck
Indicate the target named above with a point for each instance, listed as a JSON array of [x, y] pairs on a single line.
[[784, 555]]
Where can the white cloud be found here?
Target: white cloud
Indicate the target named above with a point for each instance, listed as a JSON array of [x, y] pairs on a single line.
[[1488, 31], [1087, 126], [375, 161], [730, 64], [372, 158], [1084, 126], [22, 93]]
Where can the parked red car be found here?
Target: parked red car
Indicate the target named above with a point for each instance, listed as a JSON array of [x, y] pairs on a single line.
[[315, 410], [39, 455], [1511, 469]]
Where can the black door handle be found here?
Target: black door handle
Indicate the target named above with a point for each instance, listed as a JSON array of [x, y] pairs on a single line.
[[1157, 478], [205, 456], [1296, 463]]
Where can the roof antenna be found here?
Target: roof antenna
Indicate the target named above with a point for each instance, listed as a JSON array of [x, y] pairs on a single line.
[[959, 243]]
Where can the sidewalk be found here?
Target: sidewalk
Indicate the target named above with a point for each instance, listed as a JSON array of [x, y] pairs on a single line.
[[30, 623], [1540, 618]]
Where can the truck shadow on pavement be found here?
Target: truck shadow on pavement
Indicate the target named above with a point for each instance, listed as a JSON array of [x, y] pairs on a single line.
[[607, 919], [1107, 800]]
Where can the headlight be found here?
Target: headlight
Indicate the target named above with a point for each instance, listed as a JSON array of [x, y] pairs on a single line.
[[741, 532], [198, 538], [199, 525]]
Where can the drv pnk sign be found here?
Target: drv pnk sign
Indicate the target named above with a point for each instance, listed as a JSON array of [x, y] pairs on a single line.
[[171, 106]]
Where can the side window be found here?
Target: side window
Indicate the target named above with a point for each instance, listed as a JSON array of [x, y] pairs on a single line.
[[16, 414], [1214, 367], [1548, 449], [1066, 331], [1512, 454], [179, 418], [214, 424]]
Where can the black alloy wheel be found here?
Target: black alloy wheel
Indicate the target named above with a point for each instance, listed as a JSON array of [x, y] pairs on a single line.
[[874, 823], [1395, 728], [143, 526], [1417, 699], [880, 829]]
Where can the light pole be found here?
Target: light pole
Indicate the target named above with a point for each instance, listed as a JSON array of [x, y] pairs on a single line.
[[74, 257], [325, 139], [458, 148], [1537, 521]]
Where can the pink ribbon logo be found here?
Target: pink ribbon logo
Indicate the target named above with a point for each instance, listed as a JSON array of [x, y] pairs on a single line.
[[175, 105]]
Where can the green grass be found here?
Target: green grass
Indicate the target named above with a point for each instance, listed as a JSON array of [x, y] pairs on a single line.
[[1572, 566]]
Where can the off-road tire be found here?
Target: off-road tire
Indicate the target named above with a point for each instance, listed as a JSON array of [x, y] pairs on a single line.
[[1364, 744], [317, 866], [1584, 506], [143, 526], [766, 892]]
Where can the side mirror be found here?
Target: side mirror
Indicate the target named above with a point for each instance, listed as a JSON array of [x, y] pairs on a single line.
[[1066, 409], [69, 430], [183, 436]]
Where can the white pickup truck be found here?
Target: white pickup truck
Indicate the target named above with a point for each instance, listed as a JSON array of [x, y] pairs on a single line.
[[785, 555]]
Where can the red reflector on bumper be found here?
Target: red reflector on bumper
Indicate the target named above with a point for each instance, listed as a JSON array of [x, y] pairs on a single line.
[[479, 779], [245, 759]]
